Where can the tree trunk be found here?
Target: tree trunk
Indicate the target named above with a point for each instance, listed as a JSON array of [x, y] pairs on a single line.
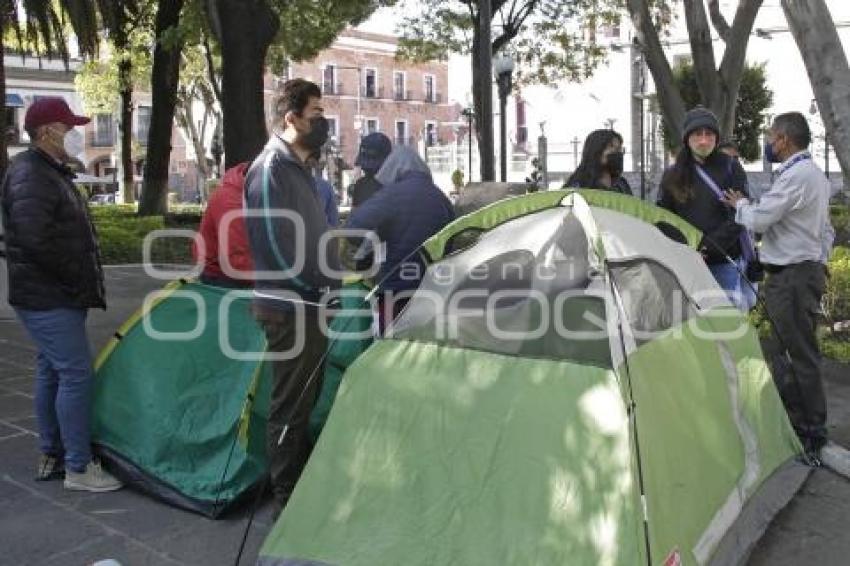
[[826, 63], [482, 89], [702, 50], [669, 97], [247, 28], [165, 77], [186, 120], [125, 127], [718, 87], [733, 62], [4, 155]]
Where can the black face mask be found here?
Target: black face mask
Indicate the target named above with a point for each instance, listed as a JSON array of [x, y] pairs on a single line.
[[614, 163], [318, 134]]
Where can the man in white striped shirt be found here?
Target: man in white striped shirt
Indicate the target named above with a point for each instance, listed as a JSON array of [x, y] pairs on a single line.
[[793, 217]]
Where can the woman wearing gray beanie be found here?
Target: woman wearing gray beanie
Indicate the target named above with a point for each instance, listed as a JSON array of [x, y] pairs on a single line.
[[693, 188]]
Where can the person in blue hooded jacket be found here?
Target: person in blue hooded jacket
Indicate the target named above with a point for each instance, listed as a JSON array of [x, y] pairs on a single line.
[[407, 210]]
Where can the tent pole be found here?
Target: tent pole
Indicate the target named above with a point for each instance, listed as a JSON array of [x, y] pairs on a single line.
[[632, 410]]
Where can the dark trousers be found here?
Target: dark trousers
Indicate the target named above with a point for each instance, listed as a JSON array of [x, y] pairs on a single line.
[[296, 383], [792, 297]]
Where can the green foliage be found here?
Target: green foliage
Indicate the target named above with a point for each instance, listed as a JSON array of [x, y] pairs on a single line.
[[836, 304], [121, 234], [457, 179], [754, 98], [836, 301], [98, 81], [42, 27], [308, 26], [840, 218], [548, 39], [836, 347]]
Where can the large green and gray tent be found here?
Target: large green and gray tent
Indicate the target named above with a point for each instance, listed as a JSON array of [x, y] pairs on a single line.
[[568, 386], [181, 398]]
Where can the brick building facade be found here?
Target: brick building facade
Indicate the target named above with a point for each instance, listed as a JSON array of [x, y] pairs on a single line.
[[406, 101]]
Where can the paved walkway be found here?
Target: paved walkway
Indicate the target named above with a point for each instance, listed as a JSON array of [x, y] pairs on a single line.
[[41, 524]]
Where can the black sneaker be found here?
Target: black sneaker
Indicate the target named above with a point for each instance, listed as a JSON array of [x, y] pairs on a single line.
[[49, 468]]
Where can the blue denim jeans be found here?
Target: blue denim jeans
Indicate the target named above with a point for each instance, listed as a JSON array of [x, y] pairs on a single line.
[[729, 278], [63, 382]]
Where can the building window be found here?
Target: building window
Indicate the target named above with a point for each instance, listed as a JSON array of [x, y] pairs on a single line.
[[370, 87], [521, 128], [372, 126], [611, 31], [333, 127], [143, 124], [103, 130], [13, 129], [401, 132], [398, 85], [329, 84], [430, 133], [430, 88]]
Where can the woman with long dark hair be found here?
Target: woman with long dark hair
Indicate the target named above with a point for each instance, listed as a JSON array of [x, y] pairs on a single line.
[[693, 188], [601, 164]]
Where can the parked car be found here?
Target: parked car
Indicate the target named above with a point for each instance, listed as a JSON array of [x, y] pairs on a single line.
[[106, 198]]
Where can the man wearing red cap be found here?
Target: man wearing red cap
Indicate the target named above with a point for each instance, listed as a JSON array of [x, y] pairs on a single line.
[[55, 276]]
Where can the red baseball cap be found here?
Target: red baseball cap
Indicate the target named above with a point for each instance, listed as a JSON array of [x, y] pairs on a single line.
[[52, 109]]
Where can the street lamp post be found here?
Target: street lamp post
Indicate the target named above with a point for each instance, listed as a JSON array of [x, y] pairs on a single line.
[[641, 96], [503, 68]]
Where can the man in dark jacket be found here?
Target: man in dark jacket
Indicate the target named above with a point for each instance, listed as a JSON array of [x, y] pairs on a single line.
[[285, 221], [55, 276], [374, 150], [408, 210]]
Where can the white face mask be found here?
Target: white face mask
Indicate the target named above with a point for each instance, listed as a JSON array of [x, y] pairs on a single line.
[[73, 143]]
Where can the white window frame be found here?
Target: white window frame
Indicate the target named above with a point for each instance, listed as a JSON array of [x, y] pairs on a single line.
[[377, 80], [138, 115], [403, 84], [335, 119], [377, 124], [436, 132], [96, 138], [335, 78], [433, 78], [406, 130]]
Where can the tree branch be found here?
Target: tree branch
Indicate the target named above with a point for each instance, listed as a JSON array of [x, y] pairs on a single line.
[[736, 47], [718, 21], [735, 54], [672, 104], [211, 69], [513, 27], [702, 50]]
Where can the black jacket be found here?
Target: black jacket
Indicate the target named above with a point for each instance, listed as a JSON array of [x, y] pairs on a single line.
[[705, 211], [620, 185], [51, 244], [363, 189], [278, 182]]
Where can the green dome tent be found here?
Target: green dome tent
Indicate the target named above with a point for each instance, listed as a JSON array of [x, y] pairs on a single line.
[[182, 393], [568, 386], [181, 398]]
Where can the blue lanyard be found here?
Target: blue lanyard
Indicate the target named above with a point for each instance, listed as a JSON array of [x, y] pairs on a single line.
[[795, 160]]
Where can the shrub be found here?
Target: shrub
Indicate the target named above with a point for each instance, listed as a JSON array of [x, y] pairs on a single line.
[[836, 300], [122, 236], [840, 217], [836, 304]]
